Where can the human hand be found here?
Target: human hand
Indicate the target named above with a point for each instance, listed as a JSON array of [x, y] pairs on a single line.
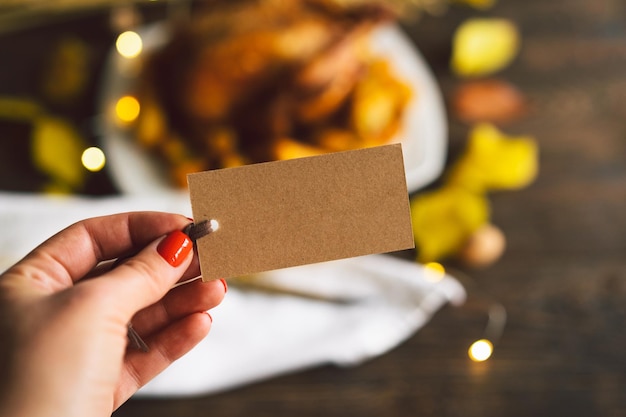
[[64, 314]]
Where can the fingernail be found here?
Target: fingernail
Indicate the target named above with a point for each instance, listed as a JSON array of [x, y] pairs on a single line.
[[210, 317], [175, 248], [224, 284]]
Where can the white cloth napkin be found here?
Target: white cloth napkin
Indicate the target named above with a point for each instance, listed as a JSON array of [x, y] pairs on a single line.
[[341, 312]]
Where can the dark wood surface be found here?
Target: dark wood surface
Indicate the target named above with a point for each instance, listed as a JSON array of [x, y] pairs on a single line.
[[562, 278]]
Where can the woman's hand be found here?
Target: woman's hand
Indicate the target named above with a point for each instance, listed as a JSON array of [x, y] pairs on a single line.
[[64, 314]]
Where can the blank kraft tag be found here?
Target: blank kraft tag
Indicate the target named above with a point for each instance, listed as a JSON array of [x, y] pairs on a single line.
[[286, 213]]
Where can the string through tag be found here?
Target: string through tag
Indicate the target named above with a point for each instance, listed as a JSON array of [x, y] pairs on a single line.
[[196, 231]]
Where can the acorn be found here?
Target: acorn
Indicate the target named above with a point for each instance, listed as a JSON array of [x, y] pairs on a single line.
[[484, 247]]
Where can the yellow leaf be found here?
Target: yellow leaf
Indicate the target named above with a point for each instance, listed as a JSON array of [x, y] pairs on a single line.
[[444, 219], [57, 149], [483, 46], [495, 161]]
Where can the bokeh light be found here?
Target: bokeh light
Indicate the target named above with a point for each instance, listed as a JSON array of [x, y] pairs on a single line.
[[129, 44], [480, 350], [127, 109], [93, 159]]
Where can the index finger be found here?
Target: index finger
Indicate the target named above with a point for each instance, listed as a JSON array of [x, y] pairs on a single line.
[[70, 254]]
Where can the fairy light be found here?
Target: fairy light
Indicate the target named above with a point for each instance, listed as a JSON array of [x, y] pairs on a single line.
[[129, 44], [434, 271], [127, 109], [93, 159], [480, 350], [477, 299]]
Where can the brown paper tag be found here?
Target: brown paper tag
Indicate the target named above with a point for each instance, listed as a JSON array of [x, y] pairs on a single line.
[[287, 213]]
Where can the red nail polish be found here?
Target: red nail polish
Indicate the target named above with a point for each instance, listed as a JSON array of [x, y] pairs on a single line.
[[224, 284], [175, 248]]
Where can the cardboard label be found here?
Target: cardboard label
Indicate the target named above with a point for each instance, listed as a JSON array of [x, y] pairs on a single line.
[[280, 214]]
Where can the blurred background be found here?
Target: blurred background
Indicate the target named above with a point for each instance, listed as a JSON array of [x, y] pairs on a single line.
[[523, 200]]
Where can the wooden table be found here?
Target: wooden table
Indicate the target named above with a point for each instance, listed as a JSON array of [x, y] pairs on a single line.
[[562, 278]]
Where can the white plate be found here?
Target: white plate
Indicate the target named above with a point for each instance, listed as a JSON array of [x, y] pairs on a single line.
[[423, 135]]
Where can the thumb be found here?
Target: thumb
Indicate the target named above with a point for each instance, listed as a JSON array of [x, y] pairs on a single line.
[[145, 278]]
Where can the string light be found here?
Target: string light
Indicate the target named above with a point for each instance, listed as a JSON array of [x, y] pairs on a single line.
[[129, 44], [480, 350], [93, 159], [127, 109]]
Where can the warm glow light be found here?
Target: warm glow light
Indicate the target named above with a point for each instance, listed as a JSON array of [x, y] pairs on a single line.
[[129, 44], [93, 159], [127, 109], [480, 350], [434, 271]]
